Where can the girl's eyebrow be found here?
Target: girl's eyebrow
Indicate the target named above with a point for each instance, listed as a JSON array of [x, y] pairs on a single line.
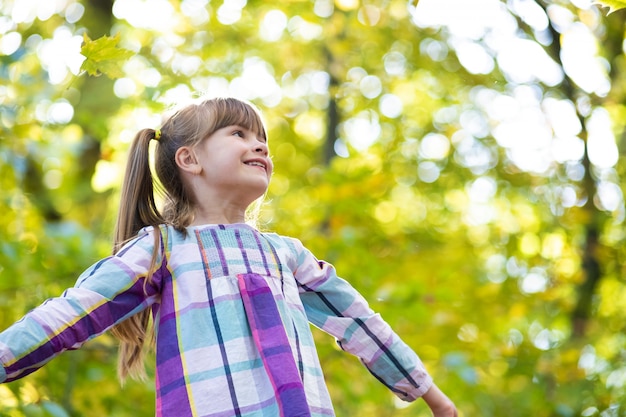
[[247, 129]]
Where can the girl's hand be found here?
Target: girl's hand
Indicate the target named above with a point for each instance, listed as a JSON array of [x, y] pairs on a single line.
[[439, 403]]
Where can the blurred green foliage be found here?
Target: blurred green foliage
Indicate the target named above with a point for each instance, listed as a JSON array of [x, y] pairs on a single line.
[[507, 281]]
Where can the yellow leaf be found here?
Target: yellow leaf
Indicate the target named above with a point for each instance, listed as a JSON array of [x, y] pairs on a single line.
[[103, 56]]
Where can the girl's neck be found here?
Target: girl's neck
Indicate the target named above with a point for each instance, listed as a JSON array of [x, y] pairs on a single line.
[[218, 218]]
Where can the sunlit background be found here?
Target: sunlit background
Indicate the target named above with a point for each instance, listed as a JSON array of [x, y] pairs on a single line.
[[459, 161], [535, 130]]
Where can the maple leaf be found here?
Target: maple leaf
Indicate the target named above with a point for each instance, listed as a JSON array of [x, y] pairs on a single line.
[[103, 56]]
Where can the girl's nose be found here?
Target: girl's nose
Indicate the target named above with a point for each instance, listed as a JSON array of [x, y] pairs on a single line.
[[261, 147]]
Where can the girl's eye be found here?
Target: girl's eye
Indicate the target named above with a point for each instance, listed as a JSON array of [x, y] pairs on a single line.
[[238, 133]]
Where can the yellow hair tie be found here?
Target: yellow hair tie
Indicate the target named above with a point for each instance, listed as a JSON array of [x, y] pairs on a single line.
[[157, 134]]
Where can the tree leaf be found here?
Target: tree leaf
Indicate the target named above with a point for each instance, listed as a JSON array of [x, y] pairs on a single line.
[[103, 56], [613, 5]]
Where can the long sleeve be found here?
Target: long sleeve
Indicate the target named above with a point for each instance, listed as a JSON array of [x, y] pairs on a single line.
[[105, 294], [333, 305]]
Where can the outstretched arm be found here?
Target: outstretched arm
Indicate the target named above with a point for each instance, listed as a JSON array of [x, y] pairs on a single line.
[[106, 293], [439, 403], [334, 306]]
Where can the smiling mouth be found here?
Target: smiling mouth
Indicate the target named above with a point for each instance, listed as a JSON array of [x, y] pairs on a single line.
[[256, 164]]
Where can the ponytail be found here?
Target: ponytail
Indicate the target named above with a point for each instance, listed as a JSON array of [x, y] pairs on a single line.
[[137, 204], [137, 210]]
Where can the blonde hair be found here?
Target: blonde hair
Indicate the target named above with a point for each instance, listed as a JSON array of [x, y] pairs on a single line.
[[138, 208]]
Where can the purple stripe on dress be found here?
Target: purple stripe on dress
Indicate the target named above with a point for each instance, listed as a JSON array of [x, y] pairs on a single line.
[[279, 265], [169, 379], [95, 322], [244, 254], [273, 345], [220, 251], [262, 252]]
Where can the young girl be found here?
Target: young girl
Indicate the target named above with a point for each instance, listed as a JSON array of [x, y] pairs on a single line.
[[231, 306]]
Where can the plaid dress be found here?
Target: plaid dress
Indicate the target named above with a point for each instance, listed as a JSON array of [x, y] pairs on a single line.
[[231, 308]]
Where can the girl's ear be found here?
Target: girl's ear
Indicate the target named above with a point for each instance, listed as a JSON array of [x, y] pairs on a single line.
[[187, 161]]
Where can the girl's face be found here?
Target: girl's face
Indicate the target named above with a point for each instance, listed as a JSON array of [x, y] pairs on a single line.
[[235, 165]]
